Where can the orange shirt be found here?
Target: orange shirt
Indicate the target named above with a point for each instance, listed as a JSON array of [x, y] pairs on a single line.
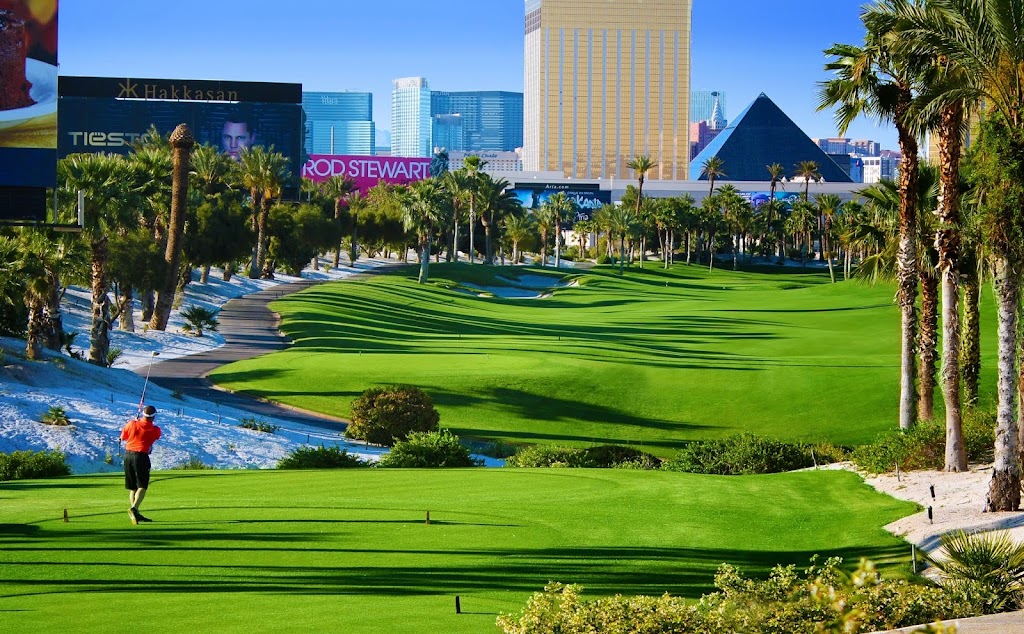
[[140, 434]]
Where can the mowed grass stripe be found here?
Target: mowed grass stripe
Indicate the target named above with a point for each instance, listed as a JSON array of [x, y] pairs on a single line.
[[654, 358], [350, 550]]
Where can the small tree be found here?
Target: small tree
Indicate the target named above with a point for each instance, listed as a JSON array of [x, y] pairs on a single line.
[[384, 415]]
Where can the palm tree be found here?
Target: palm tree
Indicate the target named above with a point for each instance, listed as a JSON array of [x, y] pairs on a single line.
[[356, 204], [496, 201], [711, 222], [620, 221], [800, 225], [734, 215], [111, 193], [547, 221], [263, 173], [472, 167], [712, 168], [422, 213], [456, 185], [641, 165], [518, 227], [980, 40], [560, 209], [181, 142], [337, 188], [828, 205], [877, 80]]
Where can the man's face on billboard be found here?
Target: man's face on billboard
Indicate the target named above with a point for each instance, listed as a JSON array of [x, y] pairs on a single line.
[[235, 137]]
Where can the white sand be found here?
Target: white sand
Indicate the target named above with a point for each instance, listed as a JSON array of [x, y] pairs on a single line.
[[958, 503]]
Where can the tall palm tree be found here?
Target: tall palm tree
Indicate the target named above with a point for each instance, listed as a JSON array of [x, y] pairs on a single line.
[[547, 222], [422, 213], [878, 80], [807, 171], [981, 40], [356, 204], [620, 221], [456, 186], [828, 206], [711, 223], [561, 209], [518, 227], [263, 173], [181, 142], [336, 189], [641, 165], [801, 224], [111, 192], [472, 167], [712, 168]]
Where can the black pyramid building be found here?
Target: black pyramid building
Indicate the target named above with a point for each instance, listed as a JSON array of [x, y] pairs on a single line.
[[761, 135]]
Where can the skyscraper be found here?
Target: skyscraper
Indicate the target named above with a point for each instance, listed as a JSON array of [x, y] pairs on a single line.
[[606, 81], [492, 120], [339, 122], [702, 104], [410, 117]]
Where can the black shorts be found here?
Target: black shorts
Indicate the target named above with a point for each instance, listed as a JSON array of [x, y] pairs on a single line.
[[136, 470]]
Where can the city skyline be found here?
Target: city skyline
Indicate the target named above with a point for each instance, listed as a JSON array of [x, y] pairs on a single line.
[[259, 41]]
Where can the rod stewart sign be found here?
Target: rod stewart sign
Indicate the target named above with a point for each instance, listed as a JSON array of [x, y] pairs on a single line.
[[367, 171]]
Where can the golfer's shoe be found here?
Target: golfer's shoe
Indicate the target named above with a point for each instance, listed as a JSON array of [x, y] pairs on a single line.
[[133, 515], [142, 518]]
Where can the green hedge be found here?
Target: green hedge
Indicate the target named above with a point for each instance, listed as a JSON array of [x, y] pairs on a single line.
[[746, 453], [30, 465], [320, 458], [436, 449], [924, 445], [599, 457]]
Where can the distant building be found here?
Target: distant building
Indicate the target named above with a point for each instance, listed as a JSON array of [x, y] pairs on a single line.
[[865, 147], [382, 146], [701, 134], [881, 167], [448, 132], [702, 104], [410, 118], [760, 136], [605, 82], [492, 121], [339, 122], [497, 162]]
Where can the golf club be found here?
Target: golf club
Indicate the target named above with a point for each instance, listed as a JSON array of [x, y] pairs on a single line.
[[146, 384]]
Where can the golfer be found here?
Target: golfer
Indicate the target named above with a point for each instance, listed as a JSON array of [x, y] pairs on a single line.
[[139, 434]]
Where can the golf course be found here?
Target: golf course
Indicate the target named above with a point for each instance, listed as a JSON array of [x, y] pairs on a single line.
[[652, 359], [350, 550]]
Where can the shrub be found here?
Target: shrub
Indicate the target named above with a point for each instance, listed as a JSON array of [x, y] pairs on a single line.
[[498, 449], [113, 355], [434, 449], [55, 416], [257, 424], [821, 599], [604, 258], [745, 454], [320, 458], [924, 445], [617, 457], [28, 465], [547, 456], [986, 571], [384, 415], [197, 318], [194, 463]]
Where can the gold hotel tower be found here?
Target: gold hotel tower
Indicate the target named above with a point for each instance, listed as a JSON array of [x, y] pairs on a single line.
[[606, 81]]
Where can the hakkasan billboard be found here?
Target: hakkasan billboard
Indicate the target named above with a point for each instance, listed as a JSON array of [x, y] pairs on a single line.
[[28, 105], [367, 171], [587, 198], [99, 114]]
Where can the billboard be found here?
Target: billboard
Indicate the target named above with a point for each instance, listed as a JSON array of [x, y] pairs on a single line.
[[105, 114], [588, 198], [367, 171], [28, 105], [757, 199]]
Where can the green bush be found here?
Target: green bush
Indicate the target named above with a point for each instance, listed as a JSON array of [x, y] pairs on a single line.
[[384, 415], [55, 416], [548, 456], [320, 458], [821, 599], [604, 258], [985, 571], [257, 424], [194, 463], [498, 449], [924, 445], [30, 465], [197, 318], [618, 457], [745, 454], [434, 449]]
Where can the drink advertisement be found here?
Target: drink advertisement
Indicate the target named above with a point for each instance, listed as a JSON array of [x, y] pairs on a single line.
[[28, 96], [367, 171]]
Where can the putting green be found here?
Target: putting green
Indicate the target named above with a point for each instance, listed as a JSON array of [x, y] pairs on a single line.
[[237, 551], [654, 358]]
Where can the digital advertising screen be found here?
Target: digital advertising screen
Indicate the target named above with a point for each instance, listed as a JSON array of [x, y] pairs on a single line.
[[759, 198], [28, 104], [587, 198], [113, 125], [367, 171]]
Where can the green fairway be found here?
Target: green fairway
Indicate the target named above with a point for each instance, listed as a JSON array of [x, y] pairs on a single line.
[[654, 358], [349, 551]]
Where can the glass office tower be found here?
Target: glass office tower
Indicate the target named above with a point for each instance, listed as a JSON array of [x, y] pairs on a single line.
[[492, 121], [339, 122], [606, 82], [410, 118], [702, 104]]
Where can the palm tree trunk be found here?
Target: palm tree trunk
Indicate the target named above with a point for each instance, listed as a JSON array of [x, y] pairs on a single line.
[[454, 253], [181, 142], [735, 251], [126, 318], [558, 245], [970, 342], [424, 258], [543, 248], [622, 252], [472, 229], [1004, 489], [947, 242], [99, 333], [927, 348], [689, 234], [36, 326], [204, 275], [906, 260], [54, 323]]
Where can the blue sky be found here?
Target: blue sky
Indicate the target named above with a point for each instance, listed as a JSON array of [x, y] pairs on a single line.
[[743, 47]]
